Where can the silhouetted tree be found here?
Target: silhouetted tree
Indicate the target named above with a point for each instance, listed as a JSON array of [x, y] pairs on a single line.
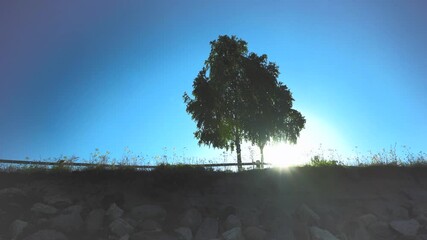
[[269, 114], [218, 105], [237, 97]]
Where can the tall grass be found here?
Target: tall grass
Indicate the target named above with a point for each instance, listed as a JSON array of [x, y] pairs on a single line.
[[386, 157], [102, 161]]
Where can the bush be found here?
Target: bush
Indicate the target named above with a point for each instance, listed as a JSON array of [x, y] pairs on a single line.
[[318, 161]]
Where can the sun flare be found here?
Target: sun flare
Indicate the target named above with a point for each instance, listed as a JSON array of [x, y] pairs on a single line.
[[316, 134]]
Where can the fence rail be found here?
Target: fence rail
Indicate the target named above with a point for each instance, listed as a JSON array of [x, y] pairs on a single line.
[[65, 163]]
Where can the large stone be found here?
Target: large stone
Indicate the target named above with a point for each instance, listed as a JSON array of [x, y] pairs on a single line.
[[300, 231], [150, 225], [77, 209], [47, 234], [232, 221], [148, 211], [184, 233], [367, 219], [57, 200], [12, 194], [17, 228], [43, 209], [68, 223], [421, 237], [381, 231], [398, 212], [355, 230], [152, 236], [108, 199], [233, 234], [254, 233], [408, 228], [125, 237], [192, 219], [13, 202], [120, 227], [306, 215], [248, 217], [114, 212], [94, 220], [321, 234], [283, 233], [207, 230]]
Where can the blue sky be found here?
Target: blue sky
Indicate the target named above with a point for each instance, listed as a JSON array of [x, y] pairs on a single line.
[[80, 75]]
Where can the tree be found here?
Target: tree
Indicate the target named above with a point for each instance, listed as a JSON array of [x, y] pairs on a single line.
[[218, 103], [237, 97], [270, 115]]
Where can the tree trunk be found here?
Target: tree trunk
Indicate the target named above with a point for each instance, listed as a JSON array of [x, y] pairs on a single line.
[[261, 148], [239, 153]]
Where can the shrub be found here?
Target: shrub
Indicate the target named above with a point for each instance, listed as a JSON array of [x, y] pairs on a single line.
[[318, 161]]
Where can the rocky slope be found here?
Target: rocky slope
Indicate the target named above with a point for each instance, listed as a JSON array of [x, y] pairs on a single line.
[[300, 203]]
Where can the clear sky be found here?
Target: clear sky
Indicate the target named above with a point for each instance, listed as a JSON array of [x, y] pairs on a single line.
[[79, 75]]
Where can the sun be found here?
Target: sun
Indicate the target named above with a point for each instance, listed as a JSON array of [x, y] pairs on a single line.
[[285, 155], [316, 133]]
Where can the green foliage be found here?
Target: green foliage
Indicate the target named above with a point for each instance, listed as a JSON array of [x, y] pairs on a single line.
[[269, 113], [237, 97], [318, 161]]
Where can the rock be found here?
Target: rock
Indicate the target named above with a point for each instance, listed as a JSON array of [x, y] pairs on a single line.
[[150, 225], [12, 194], [422, 219], [17, 228], [248, 217], [321, 234], [207, 230], [148, 211], [232, 234], [43, 209], [227, 211], [68, 223], [184, 233], [381, 231], [254, 233], [57, 200], [94, 220], [152, 236], [47, 234], [13, 202], [42, 223], [76, 209], [125, 237], [192, 219], [232, 221], [355, 230], [120, 227], [284, 233], [306, 215], [117, 198], [367, 219], [408, 228], [421, 237], [300, 231], [271, 216], [114, 212], [399, 212]]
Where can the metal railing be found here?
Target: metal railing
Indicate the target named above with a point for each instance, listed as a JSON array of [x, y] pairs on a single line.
[[256, 164]]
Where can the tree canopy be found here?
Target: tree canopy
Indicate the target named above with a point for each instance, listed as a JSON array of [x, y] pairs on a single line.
[[237, 97]]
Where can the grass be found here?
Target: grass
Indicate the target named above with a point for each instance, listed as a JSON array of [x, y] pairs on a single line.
[[385, 158], [102, 162], [166, 177]]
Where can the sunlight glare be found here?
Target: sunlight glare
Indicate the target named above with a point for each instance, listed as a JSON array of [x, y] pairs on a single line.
[[317, 133]]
